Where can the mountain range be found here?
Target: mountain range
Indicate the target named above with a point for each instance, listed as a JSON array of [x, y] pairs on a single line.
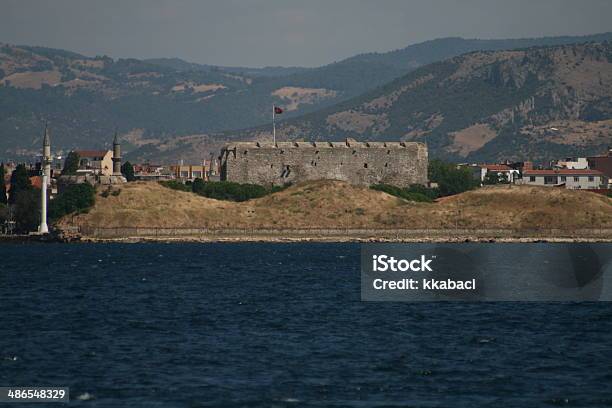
[[468, 99], [536, 104]]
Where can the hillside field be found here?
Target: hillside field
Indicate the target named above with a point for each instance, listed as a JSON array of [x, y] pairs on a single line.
[[330, 204]]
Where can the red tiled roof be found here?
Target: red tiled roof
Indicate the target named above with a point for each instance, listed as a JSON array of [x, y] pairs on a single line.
[[91, 153], [36, 181], [563, 172], [497, 167]]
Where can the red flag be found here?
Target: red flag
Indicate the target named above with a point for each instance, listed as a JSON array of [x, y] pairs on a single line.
[[278, 110]]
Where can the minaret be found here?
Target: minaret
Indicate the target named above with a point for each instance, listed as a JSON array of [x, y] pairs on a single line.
[[116, 156], [46, 174]]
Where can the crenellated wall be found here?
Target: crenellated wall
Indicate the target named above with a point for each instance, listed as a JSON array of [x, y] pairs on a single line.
[[359, 163]]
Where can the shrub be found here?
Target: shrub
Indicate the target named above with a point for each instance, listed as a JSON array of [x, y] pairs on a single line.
[[493, 178], [404, 193], [226, 190], [175, 185]]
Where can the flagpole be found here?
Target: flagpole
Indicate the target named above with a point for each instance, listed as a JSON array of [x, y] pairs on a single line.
[[273, 124]]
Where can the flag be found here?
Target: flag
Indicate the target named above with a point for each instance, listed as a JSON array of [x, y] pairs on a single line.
[[278, 110]]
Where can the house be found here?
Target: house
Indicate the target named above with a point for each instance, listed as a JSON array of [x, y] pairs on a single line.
[[502, 171], [98, 162], [148, 171], [188, 171], [569, 163], [602, 163], [568, 178]]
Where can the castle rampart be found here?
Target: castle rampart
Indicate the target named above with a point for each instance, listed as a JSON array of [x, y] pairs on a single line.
[[359, 163]]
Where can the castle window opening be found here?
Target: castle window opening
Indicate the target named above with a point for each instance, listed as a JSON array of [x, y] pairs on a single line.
[[286, 172], [365, 165]]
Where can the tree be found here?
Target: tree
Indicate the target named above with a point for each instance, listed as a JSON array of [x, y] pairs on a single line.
[[3, 197], [493, 178], [26, 210], [20, 181], [128, 171], [451, 180], [75, 198], [4, 213], [71, 165]]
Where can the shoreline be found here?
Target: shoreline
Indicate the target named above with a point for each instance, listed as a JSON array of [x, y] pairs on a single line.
[[177, 235], [455, 240], [135, 235]]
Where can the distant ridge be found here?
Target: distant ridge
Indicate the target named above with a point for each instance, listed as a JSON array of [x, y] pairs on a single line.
[[537, 103], [170, 108]]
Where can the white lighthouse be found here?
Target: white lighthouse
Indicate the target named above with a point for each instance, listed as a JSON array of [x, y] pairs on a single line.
[[46, 174]]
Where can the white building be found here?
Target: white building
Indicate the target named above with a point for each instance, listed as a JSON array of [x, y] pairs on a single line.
[[568, 178], [575, 164], [501, 170]]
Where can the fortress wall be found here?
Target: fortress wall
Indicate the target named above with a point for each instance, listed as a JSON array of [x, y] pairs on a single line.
[[359, 163]]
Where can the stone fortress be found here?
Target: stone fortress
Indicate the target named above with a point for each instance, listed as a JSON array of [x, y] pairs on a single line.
[[359, 163]]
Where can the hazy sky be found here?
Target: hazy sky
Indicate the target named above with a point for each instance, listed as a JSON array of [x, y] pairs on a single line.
[[283, 32]]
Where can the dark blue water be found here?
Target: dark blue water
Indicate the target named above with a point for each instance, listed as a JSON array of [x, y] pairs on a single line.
[[262, 325]]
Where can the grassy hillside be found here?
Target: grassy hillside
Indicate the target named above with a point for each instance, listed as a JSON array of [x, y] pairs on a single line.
[[169, 109], [335, 204]]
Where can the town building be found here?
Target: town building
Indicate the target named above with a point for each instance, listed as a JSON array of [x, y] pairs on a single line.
[[580, 163], [603, 164], [188, 172], [502, 171], [148, 171], [568, 178], [96, 162], [96, 167]]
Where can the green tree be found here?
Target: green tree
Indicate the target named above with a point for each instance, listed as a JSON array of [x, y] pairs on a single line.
[[4, 213], [71, 165], [3, 197], [20, 181], [76, 198], [451, 180], [128, 171], [493, 178], [26, 210]]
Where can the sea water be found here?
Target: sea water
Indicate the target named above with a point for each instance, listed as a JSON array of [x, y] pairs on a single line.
[[261, 325]]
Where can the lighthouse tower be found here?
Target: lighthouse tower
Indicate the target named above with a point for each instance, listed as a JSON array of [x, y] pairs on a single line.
[[46, 175]]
